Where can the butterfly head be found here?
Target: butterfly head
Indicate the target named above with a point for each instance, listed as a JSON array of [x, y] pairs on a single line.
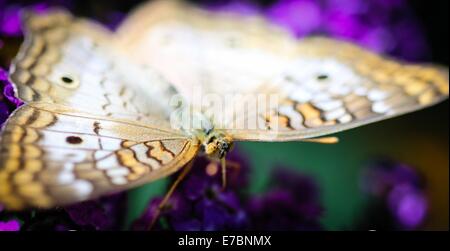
[[217, 144]]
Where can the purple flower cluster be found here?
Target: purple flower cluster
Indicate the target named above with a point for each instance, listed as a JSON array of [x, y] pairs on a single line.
[[400, 190], [106, 213], [199, 203], [292, 204], [384, 26], [10, 13]]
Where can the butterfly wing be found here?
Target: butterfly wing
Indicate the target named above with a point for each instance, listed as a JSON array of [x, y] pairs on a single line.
[[318, 86], [54, 155], [92, 124], [335, 85], [192, 48]]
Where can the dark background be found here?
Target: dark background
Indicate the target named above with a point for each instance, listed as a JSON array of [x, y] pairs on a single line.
[[434, 18]]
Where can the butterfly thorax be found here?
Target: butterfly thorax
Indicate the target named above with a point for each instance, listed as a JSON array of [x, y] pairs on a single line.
[[217, 144], [196, 124]]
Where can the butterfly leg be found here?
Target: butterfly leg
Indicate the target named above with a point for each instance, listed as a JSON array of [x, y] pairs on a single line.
[[233, 164], [169, 193], [225, 164], [224, 173]]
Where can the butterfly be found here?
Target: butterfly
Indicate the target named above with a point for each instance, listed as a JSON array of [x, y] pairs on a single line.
[[100, 117]]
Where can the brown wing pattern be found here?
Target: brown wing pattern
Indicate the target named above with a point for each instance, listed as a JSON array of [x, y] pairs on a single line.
[[53, 155], [70, 61], [323, 102], [45, 36]]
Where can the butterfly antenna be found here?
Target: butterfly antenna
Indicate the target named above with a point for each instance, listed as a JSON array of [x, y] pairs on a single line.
[[169, 193]]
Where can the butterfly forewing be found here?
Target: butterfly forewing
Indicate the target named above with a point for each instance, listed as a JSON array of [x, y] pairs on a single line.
[[70, 61], [54, 155], [93, 123]]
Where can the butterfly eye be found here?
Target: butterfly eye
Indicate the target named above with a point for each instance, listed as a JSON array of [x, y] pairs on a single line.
[[69, 81], [322, 77]]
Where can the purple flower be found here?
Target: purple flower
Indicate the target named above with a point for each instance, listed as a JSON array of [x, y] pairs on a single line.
[[300, 17], [292, 204], [380, 177], [409, 205], [10, 16], [383, 26], [10, 225], [105, 213], [113, 19], [400, 190], [8, 102], [199, 203], [8, 90]]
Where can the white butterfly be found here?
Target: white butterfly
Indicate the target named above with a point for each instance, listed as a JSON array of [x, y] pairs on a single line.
[[102, 113]]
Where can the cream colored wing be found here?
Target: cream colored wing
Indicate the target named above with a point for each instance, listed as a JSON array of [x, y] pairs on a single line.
[[93, 123], [334, 86], [52, 155], [70, 61], [319, 86], [196, 49]]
